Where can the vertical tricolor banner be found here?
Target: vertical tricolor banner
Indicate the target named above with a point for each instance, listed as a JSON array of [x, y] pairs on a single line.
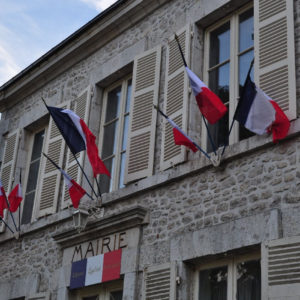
[[96, 269]]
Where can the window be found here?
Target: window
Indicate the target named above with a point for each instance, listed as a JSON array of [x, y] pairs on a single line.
[[229, 52], [114, 124], [105, 291], [238, 278], [32, 178]]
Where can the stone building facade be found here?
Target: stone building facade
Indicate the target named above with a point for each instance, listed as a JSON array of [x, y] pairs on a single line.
[[186, 229]]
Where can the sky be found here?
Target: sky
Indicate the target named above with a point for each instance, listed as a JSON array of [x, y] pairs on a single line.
[[30, 28]]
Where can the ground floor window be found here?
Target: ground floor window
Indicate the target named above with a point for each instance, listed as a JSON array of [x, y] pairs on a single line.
[[237, 278], [103, 291]]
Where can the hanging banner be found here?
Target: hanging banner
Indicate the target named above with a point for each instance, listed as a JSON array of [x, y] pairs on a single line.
[[96, 269]]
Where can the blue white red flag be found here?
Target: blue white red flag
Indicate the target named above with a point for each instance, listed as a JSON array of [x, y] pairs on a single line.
[[78, 137], [96, 269], [260, 114]]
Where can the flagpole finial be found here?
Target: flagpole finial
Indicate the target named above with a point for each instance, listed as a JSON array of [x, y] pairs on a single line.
[[155, 106], [176, 37]]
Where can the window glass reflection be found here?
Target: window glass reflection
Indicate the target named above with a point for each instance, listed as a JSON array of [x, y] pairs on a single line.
[[113, 104], [246, 30], [213, 284], [220, 45]]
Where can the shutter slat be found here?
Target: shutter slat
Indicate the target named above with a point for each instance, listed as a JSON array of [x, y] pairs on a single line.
[[82, 109], [8, 165], [176, 99], [275, 53], [142, 128]]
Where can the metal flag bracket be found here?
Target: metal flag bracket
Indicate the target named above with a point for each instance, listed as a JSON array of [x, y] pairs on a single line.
[[215, 158]]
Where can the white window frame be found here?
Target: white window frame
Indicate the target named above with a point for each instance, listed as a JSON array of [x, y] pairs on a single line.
[[102, 291], [231, 262], [115, 174], [233, 18], [28, 162]]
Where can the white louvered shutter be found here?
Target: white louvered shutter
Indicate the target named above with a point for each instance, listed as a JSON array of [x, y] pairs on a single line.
[[176, 99], [281, 269], [82, 109], [48, 188], [9, 164], [275, 52], [141, 136], [160, 282]]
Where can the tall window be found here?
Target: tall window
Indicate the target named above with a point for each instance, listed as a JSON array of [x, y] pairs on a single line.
[[233, 279], [229, 52], [32, 177], [115, 121]]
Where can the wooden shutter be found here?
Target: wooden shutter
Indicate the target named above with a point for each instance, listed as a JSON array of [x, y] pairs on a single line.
[[160, 282], [48, 189], [176, 99], [82, 109], [275, 52], [8, 165], [281, 269], [141, 136]]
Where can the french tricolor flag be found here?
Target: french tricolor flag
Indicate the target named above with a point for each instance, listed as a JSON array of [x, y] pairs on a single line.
[[3, 203], [76, 192], [180, 138], [96, 269], [15, 198], [78, 137], [210, 105], [260, 114]]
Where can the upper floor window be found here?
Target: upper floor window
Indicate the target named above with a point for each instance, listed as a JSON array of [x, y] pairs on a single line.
[[33, 174], [229, 52], [114, 128]]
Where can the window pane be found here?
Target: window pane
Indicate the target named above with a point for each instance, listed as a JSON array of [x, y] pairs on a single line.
[[219, 45], [246, 30], [213, 284], [122, 170], [248, 283], [33, 176], [109, 139], [27, 209], [113, 104], [244, 65], [219, 82], [37, 145], [128, 96], [125, 133], [105, 181], [116, 295]]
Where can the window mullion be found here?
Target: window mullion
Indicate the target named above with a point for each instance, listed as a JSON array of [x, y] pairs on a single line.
[[231, 286], [119, 136], [233, 76]]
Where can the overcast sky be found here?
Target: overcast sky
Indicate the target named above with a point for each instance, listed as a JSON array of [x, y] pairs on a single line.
[[30, 28]]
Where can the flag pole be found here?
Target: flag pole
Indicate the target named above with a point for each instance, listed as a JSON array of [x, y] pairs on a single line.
[[185, 64], [54, 164], [93, 190], [236, 110], [2, 220], [8, 205], [77, 161], [99, 189], [196, 145]]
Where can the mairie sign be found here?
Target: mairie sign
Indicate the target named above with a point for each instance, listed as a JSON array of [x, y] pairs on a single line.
[[96, 269]]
